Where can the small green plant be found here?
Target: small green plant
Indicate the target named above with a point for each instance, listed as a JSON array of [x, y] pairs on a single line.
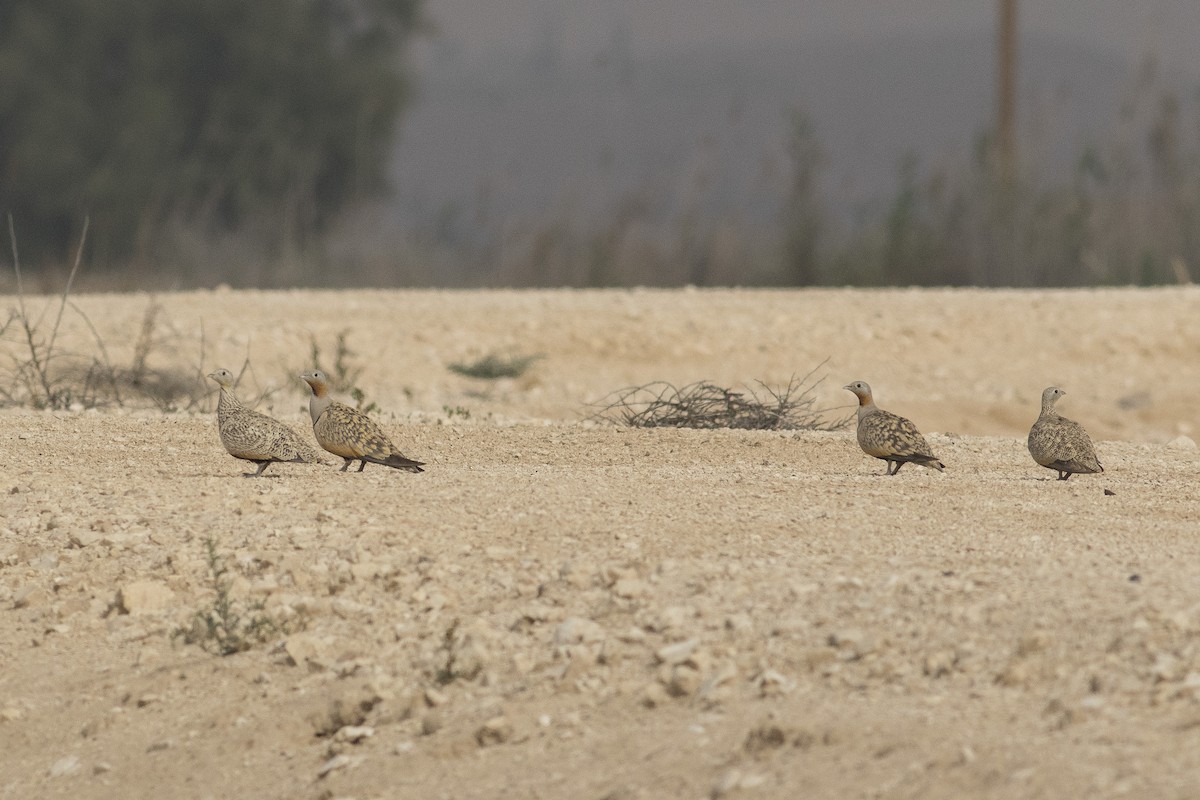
[[360, 400], [493, 366], [225, 628], [456, 411]]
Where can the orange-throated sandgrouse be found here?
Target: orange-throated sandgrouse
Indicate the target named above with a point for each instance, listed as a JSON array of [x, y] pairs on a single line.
[[349, 433], [889, 437]]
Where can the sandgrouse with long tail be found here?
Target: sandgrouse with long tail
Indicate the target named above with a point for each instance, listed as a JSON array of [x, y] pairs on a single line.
[[889, 437], [349, 433]]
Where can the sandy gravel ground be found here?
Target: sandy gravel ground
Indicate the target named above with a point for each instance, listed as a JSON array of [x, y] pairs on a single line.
[[561, 609]]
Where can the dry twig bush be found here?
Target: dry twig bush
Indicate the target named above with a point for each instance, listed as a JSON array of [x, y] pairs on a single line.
[[43, 374], [707, 405]]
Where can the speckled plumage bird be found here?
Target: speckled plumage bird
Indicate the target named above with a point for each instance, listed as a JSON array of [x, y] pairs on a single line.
[[255, 437], [1059, 443], [349, 433], [889, 437]]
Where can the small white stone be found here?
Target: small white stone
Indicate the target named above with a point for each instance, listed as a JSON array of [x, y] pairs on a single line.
[[726, 783], [354, 733], [67, 765], [677, 653], [339, 761], [752, 781]]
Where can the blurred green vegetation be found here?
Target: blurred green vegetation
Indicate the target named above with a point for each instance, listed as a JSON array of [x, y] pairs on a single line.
[[262, 118], [1127, 212], [225, 141]]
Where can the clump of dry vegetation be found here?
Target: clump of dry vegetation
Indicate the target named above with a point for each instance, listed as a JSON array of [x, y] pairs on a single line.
[[343, 374], [43, 374], [494, 366], [706, 405], [227, 626]]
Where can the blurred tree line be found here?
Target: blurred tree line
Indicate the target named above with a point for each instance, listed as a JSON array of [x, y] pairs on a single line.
[[260, 117]]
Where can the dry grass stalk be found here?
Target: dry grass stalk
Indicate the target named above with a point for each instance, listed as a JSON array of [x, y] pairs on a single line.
[[44, 375]]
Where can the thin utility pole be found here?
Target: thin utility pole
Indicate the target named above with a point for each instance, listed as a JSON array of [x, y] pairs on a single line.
[[1006, 89]]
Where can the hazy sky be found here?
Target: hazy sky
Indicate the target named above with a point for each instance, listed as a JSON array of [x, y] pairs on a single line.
[[881, 80], [1168, 28]]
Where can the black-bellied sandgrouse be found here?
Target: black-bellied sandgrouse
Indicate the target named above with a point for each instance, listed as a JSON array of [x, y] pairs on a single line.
[[1059, 443], [255, 437], [349, 433], [889, 437]]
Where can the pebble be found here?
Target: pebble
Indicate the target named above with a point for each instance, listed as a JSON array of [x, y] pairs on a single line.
[[340, 761], [67, 765], [576, 630], [310, 650], [654, 696], [431, 723], [684, 681], [771, 683], [145, 597], [30, 596], [673, 618], [677, 653], [83, 538], [1167, 668], [496, 730], [852, 644], [354, 733]]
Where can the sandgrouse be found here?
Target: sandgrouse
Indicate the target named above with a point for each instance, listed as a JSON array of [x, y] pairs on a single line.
[[1059, 443], [349, 433], [255, 437], [889, 437]]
